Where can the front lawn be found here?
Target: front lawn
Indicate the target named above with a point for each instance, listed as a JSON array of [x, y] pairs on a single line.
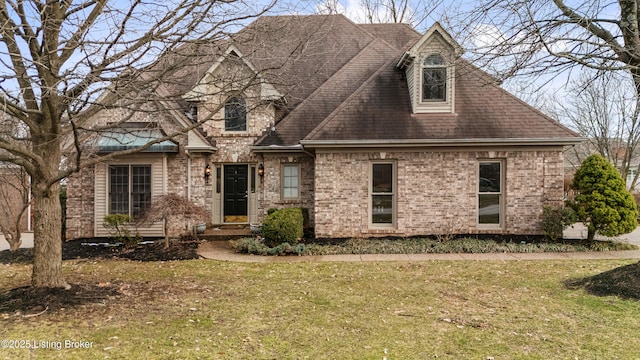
[[203, 309]]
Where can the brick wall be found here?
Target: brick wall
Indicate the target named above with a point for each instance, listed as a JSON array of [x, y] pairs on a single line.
[[80, 204], [271, 184], [436, 191]]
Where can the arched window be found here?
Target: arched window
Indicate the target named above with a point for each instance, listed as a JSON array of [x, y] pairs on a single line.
[[235, 114], [434, 78]]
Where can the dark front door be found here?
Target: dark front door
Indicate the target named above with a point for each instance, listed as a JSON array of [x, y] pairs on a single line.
[[235, 193]]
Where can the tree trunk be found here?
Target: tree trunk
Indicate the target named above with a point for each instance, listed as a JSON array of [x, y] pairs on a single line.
[[15, 242], [13, 238], [591, 233], [47, 243]]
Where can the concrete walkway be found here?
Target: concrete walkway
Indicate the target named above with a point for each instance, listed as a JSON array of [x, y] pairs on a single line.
[[221, 250]]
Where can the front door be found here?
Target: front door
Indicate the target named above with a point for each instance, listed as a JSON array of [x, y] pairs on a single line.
[[235, 193]]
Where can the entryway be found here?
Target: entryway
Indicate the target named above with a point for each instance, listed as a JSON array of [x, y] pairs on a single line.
[[236, 195]]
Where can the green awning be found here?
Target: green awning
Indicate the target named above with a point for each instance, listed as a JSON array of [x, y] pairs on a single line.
[[127, 139]]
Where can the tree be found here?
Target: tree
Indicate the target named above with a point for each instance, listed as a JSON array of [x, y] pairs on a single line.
[[171, 207], [15, 200], [602, 109], [64, 61], [546, 41], [535, 38], [414, 12], [602, 202]]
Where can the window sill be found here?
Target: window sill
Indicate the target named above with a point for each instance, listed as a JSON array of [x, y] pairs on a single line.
[[289, 201], [381, 231], [236, 134]]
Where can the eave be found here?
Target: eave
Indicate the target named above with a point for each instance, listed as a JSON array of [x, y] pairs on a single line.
[[413, 143]]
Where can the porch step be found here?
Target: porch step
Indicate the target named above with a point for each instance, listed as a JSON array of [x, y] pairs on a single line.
[[226, 232]]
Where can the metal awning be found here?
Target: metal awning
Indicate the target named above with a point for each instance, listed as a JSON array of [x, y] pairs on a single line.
[[127, 139]]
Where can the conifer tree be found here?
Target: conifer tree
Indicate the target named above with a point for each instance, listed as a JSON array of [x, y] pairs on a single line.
[[602, 201]]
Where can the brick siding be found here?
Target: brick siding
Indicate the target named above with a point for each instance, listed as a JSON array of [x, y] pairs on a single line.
[[436, 191]]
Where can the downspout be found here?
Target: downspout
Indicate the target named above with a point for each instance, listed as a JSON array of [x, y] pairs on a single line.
[[29, 207], [188, 174]]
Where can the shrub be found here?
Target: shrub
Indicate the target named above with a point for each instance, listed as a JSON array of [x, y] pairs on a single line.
[[119, 224], [257, 247], [602, 201], [283, 226], [555, 220]]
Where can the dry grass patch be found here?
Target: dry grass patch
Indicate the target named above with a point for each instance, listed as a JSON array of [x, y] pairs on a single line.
[[439, 309]]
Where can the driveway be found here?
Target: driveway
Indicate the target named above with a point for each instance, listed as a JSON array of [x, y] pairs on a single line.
[[27, 241]]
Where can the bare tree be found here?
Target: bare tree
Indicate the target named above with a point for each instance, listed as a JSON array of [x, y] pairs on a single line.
[[173, 207], [414, 12], [15, 199], [536, 38], [398, 11], [603, 108], [62, 62]]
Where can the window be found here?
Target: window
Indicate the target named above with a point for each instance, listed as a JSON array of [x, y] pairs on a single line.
[[490, 193], [290, 181], [382, 194], [434, 78], [235, 114], [129, 189]]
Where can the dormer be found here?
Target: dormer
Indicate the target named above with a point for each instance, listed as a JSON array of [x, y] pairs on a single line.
[[429, 67]]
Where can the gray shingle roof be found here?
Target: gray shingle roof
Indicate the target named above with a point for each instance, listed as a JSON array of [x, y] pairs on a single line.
[[365, 97], [340, 83]]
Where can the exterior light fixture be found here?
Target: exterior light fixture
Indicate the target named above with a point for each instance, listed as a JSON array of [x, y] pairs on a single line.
[[261, 170], [207, 174]]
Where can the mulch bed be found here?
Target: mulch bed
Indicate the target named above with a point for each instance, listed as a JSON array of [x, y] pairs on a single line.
[[184, 249], [25, 302]]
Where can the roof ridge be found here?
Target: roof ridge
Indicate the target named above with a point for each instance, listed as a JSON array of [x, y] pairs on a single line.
[[319, 89], [346, 102], [361, 27]]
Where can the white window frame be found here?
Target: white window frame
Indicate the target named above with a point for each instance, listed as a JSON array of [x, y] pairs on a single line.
[[393, 194], [487, 191], [442, 66], [130, 189], [228, 116], [283, 181]]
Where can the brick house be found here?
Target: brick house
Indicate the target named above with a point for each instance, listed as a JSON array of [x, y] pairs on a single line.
[[376, 129]]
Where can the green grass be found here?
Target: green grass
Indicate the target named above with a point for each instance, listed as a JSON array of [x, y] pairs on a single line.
[[202, 309]]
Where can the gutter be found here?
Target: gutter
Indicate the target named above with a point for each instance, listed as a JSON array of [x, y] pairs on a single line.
[[201, 149], [402, 143], [277, 148]]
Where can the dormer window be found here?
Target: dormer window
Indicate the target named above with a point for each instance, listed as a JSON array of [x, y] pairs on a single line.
[[434, 79], [235, 114]]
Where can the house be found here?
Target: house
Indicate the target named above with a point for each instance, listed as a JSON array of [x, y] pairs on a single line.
[[376, 129]]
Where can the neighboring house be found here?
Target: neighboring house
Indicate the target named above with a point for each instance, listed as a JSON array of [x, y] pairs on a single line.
[[377, 130], [575, 155]]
